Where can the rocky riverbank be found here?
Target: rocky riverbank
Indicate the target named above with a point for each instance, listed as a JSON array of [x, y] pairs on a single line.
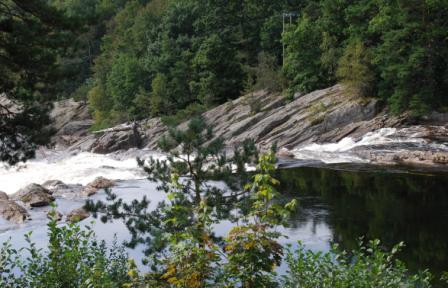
[[325, 116], [15, 207]]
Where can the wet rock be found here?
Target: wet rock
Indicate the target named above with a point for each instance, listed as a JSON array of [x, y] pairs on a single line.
[[89, 191], [406, 157], [12, 211], [77, 215], [60, 189], [66, 111], [34, 195], [3, 196], [440, 158], [322, 116], [122, 137], [54, 215], [99, 183], [284, 153], [76, 127], [53, 184], [71, 120]]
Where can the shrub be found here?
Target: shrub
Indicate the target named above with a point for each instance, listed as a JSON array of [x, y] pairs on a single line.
[[368, 266], [73, 258]]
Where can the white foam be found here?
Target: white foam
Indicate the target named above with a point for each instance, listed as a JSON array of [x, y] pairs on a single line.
[[341, 152], [71, 169]]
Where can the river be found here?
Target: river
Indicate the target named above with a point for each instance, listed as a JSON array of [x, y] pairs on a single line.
[[338, 201]]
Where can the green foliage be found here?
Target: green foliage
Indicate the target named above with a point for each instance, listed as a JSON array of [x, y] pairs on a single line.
[[267, 73], [195, 157], [33, 35], [367, 266], [181, 228], [220, 76], [303, 67], [73, 258], [158, 95], [251, 249], [124, 81], [354, 69], [190, 112], [199, 47], [393, 50]]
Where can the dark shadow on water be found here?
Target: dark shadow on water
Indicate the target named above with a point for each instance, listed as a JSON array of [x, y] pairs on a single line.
[[378, 203]]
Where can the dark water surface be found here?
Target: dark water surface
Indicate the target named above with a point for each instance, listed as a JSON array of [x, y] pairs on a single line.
[[389, 205]]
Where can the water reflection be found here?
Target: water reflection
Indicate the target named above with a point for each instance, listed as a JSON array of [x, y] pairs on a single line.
[[392, 207]]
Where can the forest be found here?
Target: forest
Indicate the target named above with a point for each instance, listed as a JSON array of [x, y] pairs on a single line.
[[136, 59], [142, 58], [174, 59]]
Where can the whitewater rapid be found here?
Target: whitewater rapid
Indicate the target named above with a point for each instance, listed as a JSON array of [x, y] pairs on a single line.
[[344, 151], [80, 168]]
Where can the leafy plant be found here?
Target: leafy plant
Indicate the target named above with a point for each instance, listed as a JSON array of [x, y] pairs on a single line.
[[367, 266], [73, 258]]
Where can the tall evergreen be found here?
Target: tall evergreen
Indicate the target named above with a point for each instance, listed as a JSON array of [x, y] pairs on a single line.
[[32, 35]]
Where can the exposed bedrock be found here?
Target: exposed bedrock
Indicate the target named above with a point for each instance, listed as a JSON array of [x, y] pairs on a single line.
[[323, 116]]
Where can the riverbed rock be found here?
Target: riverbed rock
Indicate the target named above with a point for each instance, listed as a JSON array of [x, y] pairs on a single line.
[[3, 196], [34, 195], [322, 116], [12, 211], [71, 122], [405, 157], [101, 183], [114, 141], [97, 184], [440, 158], [53, 184], [60, 189], [284, 153], [77, 215], [54, 215]]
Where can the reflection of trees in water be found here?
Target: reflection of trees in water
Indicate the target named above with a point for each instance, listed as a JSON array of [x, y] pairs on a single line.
[[392, 207], [312, 211]]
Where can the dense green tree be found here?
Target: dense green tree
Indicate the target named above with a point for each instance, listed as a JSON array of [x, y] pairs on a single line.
[[220, 76], [32, 35], [123, 81], [302, 65], [158, 94], [354, 69]]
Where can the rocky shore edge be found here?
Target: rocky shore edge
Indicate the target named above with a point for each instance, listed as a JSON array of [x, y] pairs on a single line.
[[15, 207], [323, 116]]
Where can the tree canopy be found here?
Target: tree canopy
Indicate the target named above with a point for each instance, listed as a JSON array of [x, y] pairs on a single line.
[[132, 59]]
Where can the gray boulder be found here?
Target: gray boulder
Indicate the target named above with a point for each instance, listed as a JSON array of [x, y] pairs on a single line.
[[54, 215], [53, 184], [12, 211], [77, 215], [71, 121], [3, 196], [60, 189], [34, 195], [99, 183]]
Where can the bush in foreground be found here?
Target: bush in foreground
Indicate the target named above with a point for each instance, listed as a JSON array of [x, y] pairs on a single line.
[[368, 266], [72, 258]]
